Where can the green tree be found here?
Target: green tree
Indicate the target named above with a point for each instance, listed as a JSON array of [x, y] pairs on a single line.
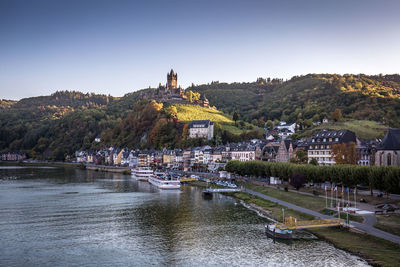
[[337, 115], [269, 124], [301, 157], [235, 116]]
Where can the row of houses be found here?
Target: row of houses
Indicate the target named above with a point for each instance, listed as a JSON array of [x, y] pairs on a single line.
[[319, 147], [201, 158], [13, 156]]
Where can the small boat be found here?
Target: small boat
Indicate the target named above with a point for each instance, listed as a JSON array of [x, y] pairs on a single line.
[[164, 182], [207, 194], [142, 174], [273, 231]]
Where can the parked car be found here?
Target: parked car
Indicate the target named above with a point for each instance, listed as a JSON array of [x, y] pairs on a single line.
[[385, 208]]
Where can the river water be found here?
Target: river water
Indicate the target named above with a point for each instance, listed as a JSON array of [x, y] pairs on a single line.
[[69, 217]]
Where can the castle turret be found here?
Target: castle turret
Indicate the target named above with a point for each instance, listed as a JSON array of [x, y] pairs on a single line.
[[172, 80]]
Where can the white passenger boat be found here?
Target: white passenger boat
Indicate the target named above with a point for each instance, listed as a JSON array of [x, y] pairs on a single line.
[[164, 181], [142, 174]]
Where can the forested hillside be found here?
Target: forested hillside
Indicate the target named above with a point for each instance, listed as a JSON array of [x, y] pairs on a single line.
[[309, 98], [53, 127]]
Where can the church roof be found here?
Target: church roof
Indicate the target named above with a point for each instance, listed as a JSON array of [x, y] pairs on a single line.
[[391, 141]]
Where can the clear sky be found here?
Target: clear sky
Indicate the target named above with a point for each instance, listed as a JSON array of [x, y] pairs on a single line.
[[115, 47]]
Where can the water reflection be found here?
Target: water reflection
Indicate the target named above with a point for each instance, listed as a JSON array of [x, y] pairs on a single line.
[[73, 217]]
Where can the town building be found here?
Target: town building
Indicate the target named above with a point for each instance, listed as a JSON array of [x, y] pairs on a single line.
[[366, 150], [144, 160], [201, 129], [12, 156], [388, 153], [244, 151], [285, 130], [321, 144]]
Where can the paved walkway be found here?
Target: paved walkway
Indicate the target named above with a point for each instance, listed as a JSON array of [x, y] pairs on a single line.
[[367, 226]]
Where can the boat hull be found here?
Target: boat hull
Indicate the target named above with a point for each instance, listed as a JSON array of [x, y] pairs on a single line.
[[277, 234], [142, 174], [165, 184]]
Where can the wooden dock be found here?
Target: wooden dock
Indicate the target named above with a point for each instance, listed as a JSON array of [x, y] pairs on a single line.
[[293, 224], [222, 190], [184, 180]]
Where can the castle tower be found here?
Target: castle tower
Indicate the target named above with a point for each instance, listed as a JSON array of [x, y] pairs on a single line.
[[172, 80]]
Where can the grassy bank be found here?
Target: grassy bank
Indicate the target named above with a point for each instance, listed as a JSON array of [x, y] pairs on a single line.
[[389, 223], [376, 251], [273, 209]]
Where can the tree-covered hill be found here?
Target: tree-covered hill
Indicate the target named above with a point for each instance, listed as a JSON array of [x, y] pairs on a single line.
[[55, 126], [309, 98]]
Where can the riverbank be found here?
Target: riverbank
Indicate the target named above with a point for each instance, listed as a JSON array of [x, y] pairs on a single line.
[[42, 163], [377, 251], [102, 168]]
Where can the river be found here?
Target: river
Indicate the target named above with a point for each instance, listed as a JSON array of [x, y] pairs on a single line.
[[70, 217]]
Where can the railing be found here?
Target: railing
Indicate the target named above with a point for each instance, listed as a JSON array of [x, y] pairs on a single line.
[[293, 223]]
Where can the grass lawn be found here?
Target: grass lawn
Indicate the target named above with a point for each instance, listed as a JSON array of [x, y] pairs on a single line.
[[274, 208], [311, 202], [372, 200], [377, 251], [187, 113], [389, 223]]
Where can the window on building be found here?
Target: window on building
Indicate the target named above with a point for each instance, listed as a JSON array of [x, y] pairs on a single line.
[[389, 159]]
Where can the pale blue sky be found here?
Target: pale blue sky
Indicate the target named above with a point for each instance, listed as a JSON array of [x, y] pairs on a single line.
[[116, 47]]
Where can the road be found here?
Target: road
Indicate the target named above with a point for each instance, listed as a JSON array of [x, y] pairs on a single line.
[[366, 226]]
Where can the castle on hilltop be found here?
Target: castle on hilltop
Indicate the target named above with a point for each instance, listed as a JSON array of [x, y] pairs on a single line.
[[174, 94], [170, 91]]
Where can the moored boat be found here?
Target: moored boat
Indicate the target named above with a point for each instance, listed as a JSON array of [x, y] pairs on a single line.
[[273, 231], [164, 182], [142, 174]]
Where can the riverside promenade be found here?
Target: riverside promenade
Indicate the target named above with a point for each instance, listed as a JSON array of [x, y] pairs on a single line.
[[366, 226]]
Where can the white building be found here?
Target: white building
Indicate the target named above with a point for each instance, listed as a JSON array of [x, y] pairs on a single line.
[[201, 129], [283, 125], [243, 154]]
